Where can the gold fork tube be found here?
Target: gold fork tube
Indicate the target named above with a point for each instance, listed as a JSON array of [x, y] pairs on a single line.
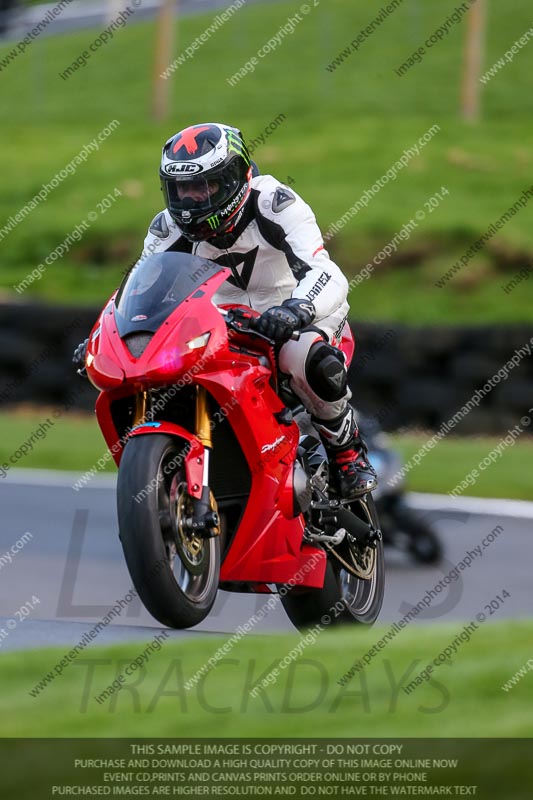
[[139, 414], [203, 422]]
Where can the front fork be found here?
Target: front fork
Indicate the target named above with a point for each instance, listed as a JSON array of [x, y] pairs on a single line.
[[205, 517], [204, 520], [140, 410]]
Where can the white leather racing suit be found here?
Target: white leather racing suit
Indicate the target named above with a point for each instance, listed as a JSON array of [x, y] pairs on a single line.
[[278, 255]]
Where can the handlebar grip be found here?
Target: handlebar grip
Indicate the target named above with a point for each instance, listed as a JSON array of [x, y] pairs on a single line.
[[250, 322], [295, 335]]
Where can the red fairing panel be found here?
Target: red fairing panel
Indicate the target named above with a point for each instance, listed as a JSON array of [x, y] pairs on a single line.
[[194, 460]]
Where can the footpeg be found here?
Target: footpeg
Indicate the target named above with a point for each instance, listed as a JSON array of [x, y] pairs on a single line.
[[324, 538]]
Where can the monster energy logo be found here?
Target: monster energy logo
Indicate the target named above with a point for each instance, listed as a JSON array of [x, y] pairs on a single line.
[[213, 221], [236, 145]]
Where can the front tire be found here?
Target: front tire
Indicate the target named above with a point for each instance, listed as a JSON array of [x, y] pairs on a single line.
[[175, 573]]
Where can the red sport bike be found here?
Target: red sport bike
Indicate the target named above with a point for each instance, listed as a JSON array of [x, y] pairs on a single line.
[[222, 481]]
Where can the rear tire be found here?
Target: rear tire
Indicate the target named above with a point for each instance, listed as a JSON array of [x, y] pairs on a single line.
[[344, 597], [175, 573]]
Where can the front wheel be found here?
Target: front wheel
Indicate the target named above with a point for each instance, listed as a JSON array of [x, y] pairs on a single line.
[[174, 571], [354, 582]]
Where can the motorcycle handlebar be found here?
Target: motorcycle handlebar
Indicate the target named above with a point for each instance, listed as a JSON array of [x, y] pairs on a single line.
[[225, 313]]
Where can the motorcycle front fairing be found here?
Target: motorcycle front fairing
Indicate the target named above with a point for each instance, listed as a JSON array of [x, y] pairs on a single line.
[[143, 337], [147, 334], [162, 330]]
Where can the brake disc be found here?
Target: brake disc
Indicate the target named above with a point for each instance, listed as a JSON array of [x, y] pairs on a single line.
[[363, 560]]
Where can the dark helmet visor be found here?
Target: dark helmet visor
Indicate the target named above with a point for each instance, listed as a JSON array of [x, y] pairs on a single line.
[[202, 194]]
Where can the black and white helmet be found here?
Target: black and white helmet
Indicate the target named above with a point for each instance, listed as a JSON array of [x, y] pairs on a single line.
[[205, 176]]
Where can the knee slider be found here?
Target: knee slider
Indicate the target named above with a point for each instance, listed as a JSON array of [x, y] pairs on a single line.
[[325, 372]]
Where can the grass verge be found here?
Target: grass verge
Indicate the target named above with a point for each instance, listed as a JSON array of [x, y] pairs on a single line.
[[462, 697], [75, 443], [335, 132]]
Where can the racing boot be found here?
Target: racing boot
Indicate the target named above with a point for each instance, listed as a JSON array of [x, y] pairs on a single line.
[[351, 474]]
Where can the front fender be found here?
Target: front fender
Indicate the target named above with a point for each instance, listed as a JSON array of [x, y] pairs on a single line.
[[194, 460]]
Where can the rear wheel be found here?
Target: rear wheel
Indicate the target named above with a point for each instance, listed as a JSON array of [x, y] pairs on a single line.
[[354, 582], [175, 571]]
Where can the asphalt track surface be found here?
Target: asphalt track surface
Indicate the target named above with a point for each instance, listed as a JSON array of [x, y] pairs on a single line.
[[74, 565], [81, 14]]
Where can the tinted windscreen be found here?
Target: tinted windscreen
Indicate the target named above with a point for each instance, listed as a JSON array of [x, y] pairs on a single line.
[[156, 286]]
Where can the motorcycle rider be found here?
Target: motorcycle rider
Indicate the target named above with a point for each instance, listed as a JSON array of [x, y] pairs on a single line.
[[219, 208]]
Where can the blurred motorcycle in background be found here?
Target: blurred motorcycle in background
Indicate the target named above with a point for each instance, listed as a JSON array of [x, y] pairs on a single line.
[[7, 9], [402, 526]]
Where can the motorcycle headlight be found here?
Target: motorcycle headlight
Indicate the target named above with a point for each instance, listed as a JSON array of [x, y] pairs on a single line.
[[199, 341]]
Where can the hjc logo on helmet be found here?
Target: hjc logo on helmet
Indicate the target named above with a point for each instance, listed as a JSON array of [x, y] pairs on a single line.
[[180, 167]]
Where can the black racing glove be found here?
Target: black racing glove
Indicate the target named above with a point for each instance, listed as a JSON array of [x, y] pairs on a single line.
[[79, 356], [280, 322]]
